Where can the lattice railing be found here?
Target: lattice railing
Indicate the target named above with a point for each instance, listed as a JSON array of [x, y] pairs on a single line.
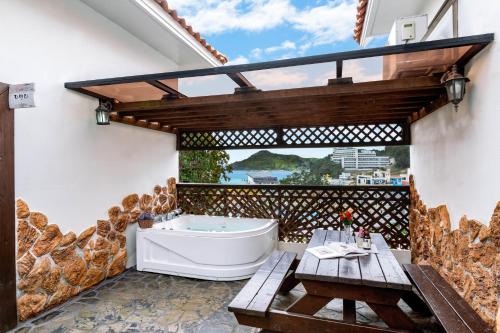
[[228, 139], [339, 135], [301, 209], [348, 134]]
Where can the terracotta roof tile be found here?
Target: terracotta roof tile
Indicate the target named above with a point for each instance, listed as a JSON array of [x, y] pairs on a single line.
[[360, 19], [164, 5]]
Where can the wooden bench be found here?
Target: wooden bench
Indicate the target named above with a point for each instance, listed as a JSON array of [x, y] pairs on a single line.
[[257, 295], [451, 310]]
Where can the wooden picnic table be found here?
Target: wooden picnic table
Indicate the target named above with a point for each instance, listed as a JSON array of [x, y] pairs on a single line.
[[376, 279]]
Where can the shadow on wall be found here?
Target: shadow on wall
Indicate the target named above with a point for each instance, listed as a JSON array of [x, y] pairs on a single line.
[[468, 258], [53, 267]]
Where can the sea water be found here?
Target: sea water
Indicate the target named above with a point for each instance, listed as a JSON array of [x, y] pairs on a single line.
[[241, 176]]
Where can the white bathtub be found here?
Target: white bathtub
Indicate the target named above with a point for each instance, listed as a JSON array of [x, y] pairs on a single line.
[[207, 247]]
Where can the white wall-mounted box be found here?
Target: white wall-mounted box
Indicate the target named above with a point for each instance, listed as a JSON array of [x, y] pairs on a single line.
[[409, 29]]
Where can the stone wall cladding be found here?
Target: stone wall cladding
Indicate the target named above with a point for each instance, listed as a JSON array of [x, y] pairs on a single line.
[[53, 267], [468, 258]]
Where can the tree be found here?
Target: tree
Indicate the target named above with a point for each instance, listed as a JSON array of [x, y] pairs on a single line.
[[401, 155], [204, 166], [320, 172]]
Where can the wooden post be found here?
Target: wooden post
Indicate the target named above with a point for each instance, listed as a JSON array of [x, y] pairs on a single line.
[[8, 312]]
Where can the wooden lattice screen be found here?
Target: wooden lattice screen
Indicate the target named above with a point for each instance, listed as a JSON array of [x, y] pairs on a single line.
[[301, 209], [320, 136]]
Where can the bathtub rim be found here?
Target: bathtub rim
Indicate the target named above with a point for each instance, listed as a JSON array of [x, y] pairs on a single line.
[[266, 227]]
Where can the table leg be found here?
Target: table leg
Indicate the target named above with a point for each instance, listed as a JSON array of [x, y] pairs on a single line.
[[289, 283], [393, 316], [308, 304], [416, 303], [349, 311]]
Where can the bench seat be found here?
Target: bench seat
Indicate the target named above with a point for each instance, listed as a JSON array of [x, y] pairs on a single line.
[[257, 295], [451, 310]]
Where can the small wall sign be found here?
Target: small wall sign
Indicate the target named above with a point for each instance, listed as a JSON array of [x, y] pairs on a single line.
[[22, 96]]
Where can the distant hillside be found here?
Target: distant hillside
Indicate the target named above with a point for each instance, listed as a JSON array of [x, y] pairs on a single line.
[[265, 160], [401, 155]]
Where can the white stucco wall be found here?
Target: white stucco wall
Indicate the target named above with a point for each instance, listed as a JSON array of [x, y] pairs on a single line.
[[455, 156], [66, 166]]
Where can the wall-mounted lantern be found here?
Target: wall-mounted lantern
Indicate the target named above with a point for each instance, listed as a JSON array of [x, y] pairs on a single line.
[[455, 86], [102, 112]]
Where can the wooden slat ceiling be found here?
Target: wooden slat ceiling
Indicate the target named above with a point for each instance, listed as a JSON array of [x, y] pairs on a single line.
[[370, 102]]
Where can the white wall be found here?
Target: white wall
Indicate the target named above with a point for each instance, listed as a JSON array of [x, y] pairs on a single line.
[[455, 156], [66, 166]]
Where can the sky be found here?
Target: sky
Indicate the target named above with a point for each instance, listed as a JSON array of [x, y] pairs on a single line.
[[248, 31]]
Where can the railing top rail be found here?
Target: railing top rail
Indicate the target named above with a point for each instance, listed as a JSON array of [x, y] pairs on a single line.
[[300, 209], [402, 188]]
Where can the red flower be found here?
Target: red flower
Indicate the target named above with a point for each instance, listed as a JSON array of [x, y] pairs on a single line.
[[346, 217]]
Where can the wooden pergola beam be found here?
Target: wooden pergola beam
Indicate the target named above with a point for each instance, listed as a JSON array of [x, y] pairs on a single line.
[[342, 102], [357, 89], [140, 123], [328, 104], [276, 110], [300, 123], [327, 114], [376, 102]]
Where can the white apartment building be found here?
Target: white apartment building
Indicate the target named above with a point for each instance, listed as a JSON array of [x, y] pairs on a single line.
[[379, 177], [359, 159]]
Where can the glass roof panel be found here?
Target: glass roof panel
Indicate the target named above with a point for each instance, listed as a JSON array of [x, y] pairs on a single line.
[[129, 92], [422, 63]]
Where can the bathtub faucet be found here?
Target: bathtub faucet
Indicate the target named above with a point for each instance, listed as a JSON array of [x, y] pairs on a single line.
[[173, 214]]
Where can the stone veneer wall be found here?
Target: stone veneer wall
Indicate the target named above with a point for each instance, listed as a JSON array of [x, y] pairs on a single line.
[[53, 267], [468, 257]]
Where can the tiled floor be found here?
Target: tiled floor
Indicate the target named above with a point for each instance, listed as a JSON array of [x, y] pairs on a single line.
[[147, 302]]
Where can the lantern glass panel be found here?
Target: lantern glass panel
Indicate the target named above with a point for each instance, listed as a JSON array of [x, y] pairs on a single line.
[[102, 116], [456, 90]]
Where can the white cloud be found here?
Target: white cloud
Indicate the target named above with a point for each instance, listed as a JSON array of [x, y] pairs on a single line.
[[286, 45], [359, 71], [239, 60], [277, 78], [326, 24], [211, 17], [323, 24], [256, 53]]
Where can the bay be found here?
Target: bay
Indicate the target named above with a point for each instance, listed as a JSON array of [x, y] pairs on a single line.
[[241, 176]]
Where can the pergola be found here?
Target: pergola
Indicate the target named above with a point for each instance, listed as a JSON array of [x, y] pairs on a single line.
[[338, 113]]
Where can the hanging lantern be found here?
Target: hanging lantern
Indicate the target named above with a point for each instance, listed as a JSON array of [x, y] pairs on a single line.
[[102, 112], [455, 85]]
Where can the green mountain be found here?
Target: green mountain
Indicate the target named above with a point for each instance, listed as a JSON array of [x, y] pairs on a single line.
[[265, 160], [401, 155]]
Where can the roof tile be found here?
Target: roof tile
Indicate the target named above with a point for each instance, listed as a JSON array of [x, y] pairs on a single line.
[[182, 22], [360, 19]]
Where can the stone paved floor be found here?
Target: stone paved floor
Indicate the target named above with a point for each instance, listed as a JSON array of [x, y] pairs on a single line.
[[147, 302]]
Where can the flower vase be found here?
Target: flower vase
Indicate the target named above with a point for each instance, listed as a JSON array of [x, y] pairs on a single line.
[[347, 233]]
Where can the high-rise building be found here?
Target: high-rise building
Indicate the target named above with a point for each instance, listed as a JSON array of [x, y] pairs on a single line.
[[359, 159]]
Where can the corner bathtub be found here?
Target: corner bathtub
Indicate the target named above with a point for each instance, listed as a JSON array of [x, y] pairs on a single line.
[[207, 247]]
